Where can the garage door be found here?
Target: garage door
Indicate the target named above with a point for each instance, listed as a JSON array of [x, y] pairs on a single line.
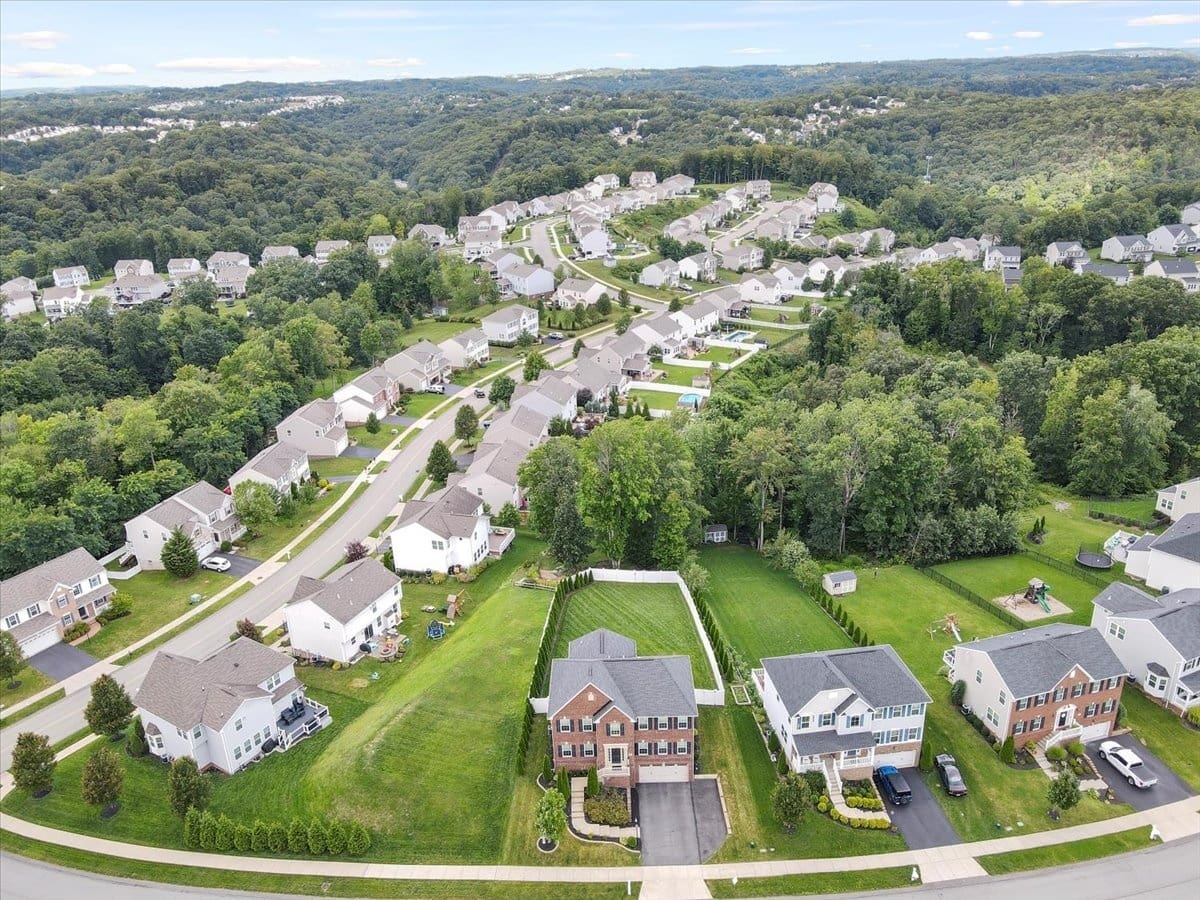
[[1094, 732], [904, 759], [40, 642], [662, 774]]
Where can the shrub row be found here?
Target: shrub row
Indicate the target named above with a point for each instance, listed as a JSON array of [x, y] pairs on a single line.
[[607, 808], [868, 803], [1122, 520], [120, 607], [870, 824], [205, 831], [725, 657], [838, 613]]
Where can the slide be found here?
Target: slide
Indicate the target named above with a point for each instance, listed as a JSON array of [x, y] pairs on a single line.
[[1041, 597]]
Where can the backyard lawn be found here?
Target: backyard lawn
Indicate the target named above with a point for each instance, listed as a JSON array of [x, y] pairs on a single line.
[[342, 465], [157, 599], [278, 535], [1140, 508], [420, 405], [596, 269], [659, 399], [1067, 529], [998, 576], [719, 354], [786, 314], [680, 375], [654, 615]]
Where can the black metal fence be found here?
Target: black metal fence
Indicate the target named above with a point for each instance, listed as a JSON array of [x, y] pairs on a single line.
[[973, 598]]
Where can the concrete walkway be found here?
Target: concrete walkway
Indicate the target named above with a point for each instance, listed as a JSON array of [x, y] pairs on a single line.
[[582, 826], [1051, 771]]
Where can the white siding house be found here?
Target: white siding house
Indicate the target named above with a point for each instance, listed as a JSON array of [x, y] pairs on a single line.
[[331, 617], [1177, 500], [317, 427], [447, 529], [203, 513], [376, 391], [505, 325], [279, 466], [1170, 561], [467, 349], [37, 605]]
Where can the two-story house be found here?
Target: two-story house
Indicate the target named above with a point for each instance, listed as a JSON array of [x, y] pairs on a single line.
[[825, 195], [679, 184], [323, 250], [507, 324], [332, 617], [433, 235], [204, 514], [1131, 248], [552, 395], [420, 366], [279, 251], [1177, 500], [578, 292], [1157, 639], [844, 712], [1065, 253], [664, 273], [224, 710], [470, 348], [699, 267], [381, 244], [642, 179], [528, 281], [71, 276], [184, 267], [1048, 685], [447, 530], [632, 717], [524, 426], [759, 287], [1002, 258], [123, 268], [134, 290], [279, 467], [594, 243], [317, 427], [608, 181], [39, 604], [60, 302], [375, 391], [226, 259], [1172, 239], [478, 244], [231, 282], [492, 475], [741, 259], [1170, 561]]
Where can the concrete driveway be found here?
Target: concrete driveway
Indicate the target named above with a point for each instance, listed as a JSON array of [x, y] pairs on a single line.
[[61, 661], [1169, 789], [682, 824], [238, 565], [922, 822]]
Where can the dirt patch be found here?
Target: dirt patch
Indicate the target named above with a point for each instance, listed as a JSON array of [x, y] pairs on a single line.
[[359, 683], [1031, 612]]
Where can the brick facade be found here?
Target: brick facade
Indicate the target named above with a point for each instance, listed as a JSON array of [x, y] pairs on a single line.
[[1087, 703]]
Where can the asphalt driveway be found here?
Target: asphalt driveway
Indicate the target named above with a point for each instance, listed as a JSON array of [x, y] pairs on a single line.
[[394, 419], [358, 451], [682, 824], [239, 565], [1169, 789], [61, 661], [922, 821]]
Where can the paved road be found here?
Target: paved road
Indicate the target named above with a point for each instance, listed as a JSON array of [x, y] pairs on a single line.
[[922, 821], [729, 238], [1170, 786]]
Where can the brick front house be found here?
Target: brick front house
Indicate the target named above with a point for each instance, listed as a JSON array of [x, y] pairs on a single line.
[[632, 717], [1049, 685]]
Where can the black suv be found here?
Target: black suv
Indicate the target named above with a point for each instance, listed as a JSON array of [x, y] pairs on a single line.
[[892, 785]]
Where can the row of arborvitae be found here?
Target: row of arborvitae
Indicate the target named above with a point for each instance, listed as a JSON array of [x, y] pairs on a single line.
[[838, 613], [206, 831]]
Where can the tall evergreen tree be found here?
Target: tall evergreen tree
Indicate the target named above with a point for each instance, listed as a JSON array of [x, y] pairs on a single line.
[[179, 555]]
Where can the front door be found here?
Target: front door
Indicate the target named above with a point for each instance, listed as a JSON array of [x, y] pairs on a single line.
[[369, 632], [1064, 718], [616, 757]]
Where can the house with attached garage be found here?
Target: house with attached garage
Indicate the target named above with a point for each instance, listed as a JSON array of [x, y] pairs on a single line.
[[433, 235], [664, 273], [492, 475], [758, 189], [1172, 239], [19, 296], [227, 710], [759, 287], [844, 712], [1117, 273], [818, 269], [279, 251], [523, 425], [1125, 248], [698, 267], [1170, 561], [381, 244], [526, 280], [505, 325], [662, 332], [204, 514], [551, 395], [419, 367], [278, 467], [1177, 500], [123, 268], [134, 290], [790, 276], [742, 259], [446, 531], [1065, 253], [231, 281], [478, 244], [608, 182], [578, 292], [1002, 258], [470, 348], [1157, 640], [60, 302], [679, 184], [325, 249], [701, 317], [317, 427], [594, 243], [39, 604], [496, 264], [632, 717], [1049, 685], [329, 618], [71, 276], [642, 179], [375, 391], [19, 285], [185, 267], [1175, 269], [224, 259]]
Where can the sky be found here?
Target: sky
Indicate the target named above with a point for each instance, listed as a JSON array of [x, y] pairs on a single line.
[[187, 44]]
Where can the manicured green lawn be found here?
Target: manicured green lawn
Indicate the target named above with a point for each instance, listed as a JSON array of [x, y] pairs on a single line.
[[790, 315], [498, 362], [654, 615], [419, 405], [999, 576], [658, 399], [29, 681], [157, 599], [1140, 508], [719, 354], [680, 375], [379, 439], [1065, 854], [595, 268], [48, 700], [824, 883], [342, 465], [276, 536], [1068, 529], [1162, 731]]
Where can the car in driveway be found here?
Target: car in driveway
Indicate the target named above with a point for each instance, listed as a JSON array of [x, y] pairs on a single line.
[[480, 393], [1128, 763], [216, 564], [949, 776], [893, 785]]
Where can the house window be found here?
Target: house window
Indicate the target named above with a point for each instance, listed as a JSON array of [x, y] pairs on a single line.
[[914, 734], [992, 717], [196, 732], [327, 626], [13, 621], [68, 619], [586, 724], [805, 721], [615, 729], [1113, 682], [589, 749], [257, 739], [1038, 723], [32, 611], [681, 747], [1023, 703], [643, 723], [643, 748], [1059, 694], [566, 751], [915, 709], [1077, 690], [237, 724], [156, 742], [1002, 698], [77, 589], [664, 748], [63, 601], [1090, 711], [237, 752], [1094, 686], [1109, 704], [1019, 727], [1117, 631], [854, 721], [826, 720], [438, 545], [895, 737], [94, 581], [880, 736], [564, 725], [979, 676], [246, 746]]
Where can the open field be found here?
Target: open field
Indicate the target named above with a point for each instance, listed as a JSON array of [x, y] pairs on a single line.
[[1067, 529], [654, 615], [1000, 576]]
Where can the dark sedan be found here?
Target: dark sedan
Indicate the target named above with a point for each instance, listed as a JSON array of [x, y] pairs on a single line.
[[949, 775]]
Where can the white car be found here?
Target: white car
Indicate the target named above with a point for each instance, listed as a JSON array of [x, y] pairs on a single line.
[[1127, 763], [216, 564]]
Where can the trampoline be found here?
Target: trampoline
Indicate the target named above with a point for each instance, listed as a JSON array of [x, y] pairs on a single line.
[[436, 631], [1092, 559]]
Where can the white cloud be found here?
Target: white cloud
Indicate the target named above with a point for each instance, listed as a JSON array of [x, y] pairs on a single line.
[[62, 70], [1165, 19], [979, 35], [396, 62], [37, 40], [623, 54], [1016, 2], [1029, 34], [240, 64], [755, 51], [1129, 45]]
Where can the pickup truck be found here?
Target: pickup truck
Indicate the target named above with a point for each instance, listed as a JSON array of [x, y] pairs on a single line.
[[1128, 764], [892, 785]]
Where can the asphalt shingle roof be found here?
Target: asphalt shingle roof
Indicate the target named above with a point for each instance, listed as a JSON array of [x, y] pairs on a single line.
[[1175, 615], [1182, 539], [602, 644], [40, 582], [874, 673], [450, 512], [1035, 660], [638, 686], [349, 590]]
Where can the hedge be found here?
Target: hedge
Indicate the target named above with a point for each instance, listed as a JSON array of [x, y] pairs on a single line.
[[205, 831]]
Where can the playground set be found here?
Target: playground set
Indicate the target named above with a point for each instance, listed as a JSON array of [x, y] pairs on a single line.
[[1035, 602]]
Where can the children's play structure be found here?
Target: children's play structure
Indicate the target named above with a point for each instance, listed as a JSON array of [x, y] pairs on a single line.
[[1036, 593], [948, 624]]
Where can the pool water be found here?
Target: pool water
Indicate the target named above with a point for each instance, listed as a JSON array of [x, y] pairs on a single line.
[[739, 335], [690, 400]]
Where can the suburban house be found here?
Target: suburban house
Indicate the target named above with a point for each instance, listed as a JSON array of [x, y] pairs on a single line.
[[608, 182], [224, 710], [18, 285], [184, 267], [699, 318], [833, 266], [329, 618], [759, 189], [477, 224], [1127, 248], [1180, 270], [790, 277], [204, 514], [632, 717], [419, 367], [661, 332], [470, 348], [39, 604], [1170, 561], [578, 292], [1065, 253], [844, 712], [492, 475], [134, 290], [60, 302], [374, 391], [660, 274], [279, 467], [317, 427], [478, 244], [1191, 214], [18, 299], [642, 179], [1177, 500], [433, 235], [528, 281], [1157, 640], [505, 325], [447, 530], [825, 195], [551, 396], [1117, 273], [380, 244], [1002, 258], [598, 381], [698, 267], [1172, 239], [594, 243], [123, 268], [742, 258], [501, 261], [71, 276], [523, 425], [1054, 684], [325, 249], [759, 287], [224, 259], [279, 251], [231, 281], [679, 184]]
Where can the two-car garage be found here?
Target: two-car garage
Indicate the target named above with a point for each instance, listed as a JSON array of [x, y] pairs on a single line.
[[662, 774], [37, 634]]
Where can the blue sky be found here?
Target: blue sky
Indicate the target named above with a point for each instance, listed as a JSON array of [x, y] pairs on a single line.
[[54, 44]]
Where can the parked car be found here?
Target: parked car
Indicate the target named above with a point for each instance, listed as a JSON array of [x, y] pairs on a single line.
[[892, 785], [438, 388], [480, 393], [1128, 764], [949, 775], [216, 564], [555, 336]]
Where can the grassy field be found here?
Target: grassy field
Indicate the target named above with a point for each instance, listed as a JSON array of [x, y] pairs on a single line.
[[719, 354], [378, 440], [51, 698], [1003, 575], [498, 362], [1066, 529], [824, 883], [654, 615], [1140, 508], [658, 399], [595, 268], [1173, 743], [898, 606], [419, 405], [276, 536], [157, 599], [343, 465], [786, 314], [1065, 854], [679, 375], [29, 681]]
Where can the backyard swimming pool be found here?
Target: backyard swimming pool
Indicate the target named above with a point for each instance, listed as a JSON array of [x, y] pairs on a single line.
[[692, 401], [739, 335]]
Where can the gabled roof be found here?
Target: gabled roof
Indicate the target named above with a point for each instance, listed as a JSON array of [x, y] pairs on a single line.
[[501, 461], [187, 692], [176, 511], [450, 512], [1105, 270], [1176, 615], [1182, 539], [1176, 266], [636, 685], [464, 339], [509, 314], [318, 412], [1129, 240], [275, 461], [40, 582], [874, 673], [1035, 660], [349, 590], [602, 644]]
